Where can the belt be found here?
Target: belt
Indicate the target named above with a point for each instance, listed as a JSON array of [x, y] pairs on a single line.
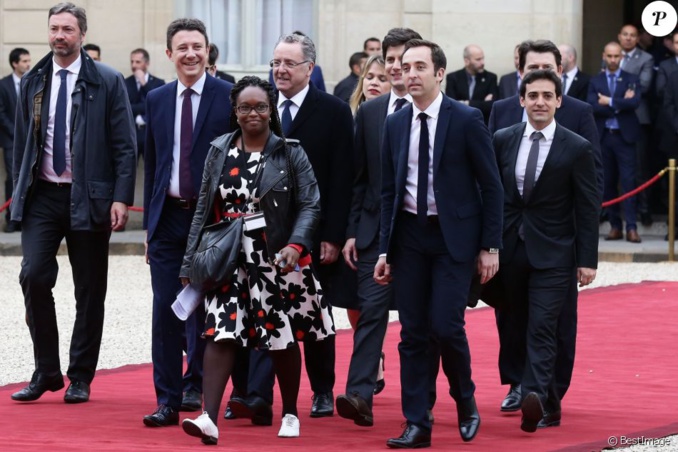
[[186, 204], [58, 185], [431, 219], [613, 131]]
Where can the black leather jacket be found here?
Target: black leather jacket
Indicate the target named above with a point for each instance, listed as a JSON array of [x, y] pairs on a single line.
[[286, 222]]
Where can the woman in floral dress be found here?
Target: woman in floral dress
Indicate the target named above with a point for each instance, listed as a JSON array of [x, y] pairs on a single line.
[[273, 299]]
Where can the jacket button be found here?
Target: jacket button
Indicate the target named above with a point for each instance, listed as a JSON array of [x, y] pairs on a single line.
[[282, 172]]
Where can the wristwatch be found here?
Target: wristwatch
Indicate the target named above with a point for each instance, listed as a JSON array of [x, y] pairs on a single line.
[[492, 250]]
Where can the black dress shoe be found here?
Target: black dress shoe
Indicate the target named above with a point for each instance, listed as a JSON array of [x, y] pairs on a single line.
[[254, 408], [381, 384], [431, 419], [323, 405], [646, 218], [228, 414], [355, 408], [192, 401], [38, 386], [12, 226], [550, 420], [512, 400], [413, 437], [533, 412], [469, 419], [77, 392], [163, 416]]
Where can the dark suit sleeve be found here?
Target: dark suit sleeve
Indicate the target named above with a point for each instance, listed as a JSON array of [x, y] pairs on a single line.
[[149, 161], [451, 88], [671, 104], [619, 103], [661, 80], [486, 105], [387, 187], [317, 78], [645, 75], [6, 116], [587, 200], [361, 180], [589, 131], [20, 131], [123, 143], [491, 125]]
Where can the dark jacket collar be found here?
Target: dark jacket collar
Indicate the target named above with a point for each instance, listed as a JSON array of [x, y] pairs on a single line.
[[88, 70], [224, 142]]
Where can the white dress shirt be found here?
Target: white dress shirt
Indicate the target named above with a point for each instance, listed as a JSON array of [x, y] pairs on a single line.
[[197, 88], [524, 151], [570, 78], [392, 100], [410, 199], [297, 100], [17, 82], [47, 166]]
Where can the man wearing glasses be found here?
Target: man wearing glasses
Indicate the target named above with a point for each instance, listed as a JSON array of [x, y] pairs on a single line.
[[324, 126]]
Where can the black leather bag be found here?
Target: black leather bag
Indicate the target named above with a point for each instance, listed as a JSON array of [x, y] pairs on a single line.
[[216, 256]]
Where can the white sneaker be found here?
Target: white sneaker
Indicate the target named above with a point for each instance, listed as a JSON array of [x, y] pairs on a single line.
[[289, 427], [203, 427]]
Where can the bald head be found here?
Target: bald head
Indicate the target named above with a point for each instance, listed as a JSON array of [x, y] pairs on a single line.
[[612, 55], [474, 59], [569, 57]]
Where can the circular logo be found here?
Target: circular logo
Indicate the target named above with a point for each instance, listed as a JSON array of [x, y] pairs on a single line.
[[659, 18]]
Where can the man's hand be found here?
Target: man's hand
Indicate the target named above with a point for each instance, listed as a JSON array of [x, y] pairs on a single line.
[[488, 265], [118, 215], [146, 249], [629, 94], [140, 76], [603, 100], [382, 272], [585, 276], [350, 253], [329, 253]]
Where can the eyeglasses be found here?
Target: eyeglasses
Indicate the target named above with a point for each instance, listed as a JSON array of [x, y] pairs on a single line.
[[287, 63], [247, 109]]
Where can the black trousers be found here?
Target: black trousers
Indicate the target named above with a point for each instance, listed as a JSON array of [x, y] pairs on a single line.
[[46, 221], [431, 291], [368, 337], [170, 336], [536, 299], [7, 157]]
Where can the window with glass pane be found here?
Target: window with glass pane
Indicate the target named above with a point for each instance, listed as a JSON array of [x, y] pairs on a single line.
[[223, 19], [277, 17]]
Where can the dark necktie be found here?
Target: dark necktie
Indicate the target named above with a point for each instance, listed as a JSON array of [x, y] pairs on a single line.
[[286, 117], [564, 83], [59, 141], [399, 103], [471, 86], [422, 179], [531, 167], [611, 84], [185, 145], [624, 60]]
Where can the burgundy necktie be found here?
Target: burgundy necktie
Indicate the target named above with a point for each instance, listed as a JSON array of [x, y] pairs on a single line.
[[185, 145]]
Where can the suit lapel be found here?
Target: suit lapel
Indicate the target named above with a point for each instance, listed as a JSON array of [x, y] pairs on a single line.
[[205, 102], [403, 152], [441, 131], [554, 155], [463, 85], [306, 109], [170, 112], [513, 148]]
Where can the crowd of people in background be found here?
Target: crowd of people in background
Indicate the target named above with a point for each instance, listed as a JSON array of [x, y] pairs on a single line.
[[414, 188]]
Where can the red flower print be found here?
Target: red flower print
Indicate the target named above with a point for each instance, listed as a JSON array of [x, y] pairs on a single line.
[[209, 332], [234, 172], [260, 314], [234, 315], [253, 332], [270, 326], [300, 335]]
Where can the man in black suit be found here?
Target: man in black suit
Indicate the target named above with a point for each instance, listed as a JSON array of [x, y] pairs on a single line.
[[212, 65], [576, 116], [74, 173], [20, 61], [346, 86], [666, 68], [575, 82], [324, 126], [183, 117], [441, 215], [138, 85], [509, 83], [473, 85], [361, 250], [551, 209]]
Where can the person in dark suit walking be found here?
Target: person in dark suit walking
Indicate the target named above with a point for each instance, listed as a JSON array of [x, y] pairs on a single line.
[[361, 250], [441, 215], [615, 96], [575, 82], [138, 86], [509, 83], [576, 116], [20, 61], [346, 86], [184, 116], [473, 85], [73, 180], [551, 209], [323, 124]]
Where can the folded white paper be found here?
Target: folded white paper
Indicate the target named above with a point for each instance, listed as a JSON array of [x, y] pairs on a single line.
[[187, 300]]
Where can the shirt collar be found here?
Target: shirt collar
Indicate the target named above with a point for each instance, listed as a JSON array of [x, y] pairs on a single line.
[[394, 97], [571, 73], [74, 67], [297, 99], [616, 73], [432, 110], [16, 78], [548, 131], [197, 86], [630, 54]]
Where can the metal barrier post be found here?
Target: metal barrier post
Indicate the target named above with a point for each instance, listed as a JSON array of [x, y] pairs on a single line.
[[672, 208]]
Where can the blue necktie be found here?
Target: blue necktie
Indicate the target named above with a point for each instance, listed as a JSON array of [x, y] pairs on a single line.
[[564, 83], [59, 141], [611, 84], [286, 117], [422, 179]]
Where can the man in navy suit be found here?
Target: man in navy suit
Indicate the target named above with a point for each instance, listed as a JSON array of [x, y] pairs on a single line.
[[509, 83], [138, 85], [615, 96], [551, 208], [361, 250], [440, 223], [20, 60], [183, 118], [576, 116]]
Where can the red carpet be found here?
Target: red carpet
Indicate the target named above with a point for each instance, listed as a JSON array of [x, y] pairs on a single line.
[[624, 384]]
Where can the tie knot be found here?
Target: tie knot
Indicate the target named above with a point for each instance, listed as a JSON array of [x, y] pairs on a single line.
[[399, 103], [611, 76], [536, 136], [564, 76], [63, 74], [288, 103], [188, 92], [422, 116]]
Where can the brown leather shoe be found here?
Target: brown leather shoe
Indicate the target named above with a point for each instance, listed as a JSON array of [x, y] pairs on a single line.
[[615, 234], [632, 236]]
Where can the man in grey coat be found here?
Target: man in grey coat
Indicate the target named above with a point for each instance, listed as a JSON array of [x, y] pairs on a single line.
[[74, 168]]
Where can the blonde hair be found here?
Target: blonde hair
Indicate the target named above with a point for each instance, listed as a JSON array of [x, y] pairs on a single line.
[[358, 97]]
